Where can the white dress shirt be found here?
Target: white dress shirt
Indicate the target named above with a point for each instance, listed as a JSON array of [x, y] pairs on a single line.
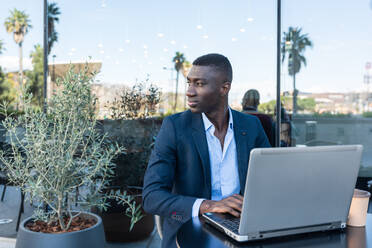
[[223, 164]]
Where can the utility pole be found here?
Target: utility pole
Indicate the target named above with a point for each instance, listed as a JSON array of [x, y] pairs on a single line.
[[278, 102], [45, 54]]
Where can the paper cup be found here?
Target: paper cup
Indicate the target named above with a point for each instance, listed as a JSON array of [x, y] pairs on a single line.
[[358, 208]]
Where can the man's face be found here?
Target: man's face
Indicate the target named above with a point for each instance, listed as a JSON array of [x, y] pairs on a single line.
[[206, 88]]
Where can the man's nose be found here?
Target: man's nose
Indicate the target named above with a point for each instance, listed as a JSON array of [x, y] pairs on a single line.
[[190, 91]]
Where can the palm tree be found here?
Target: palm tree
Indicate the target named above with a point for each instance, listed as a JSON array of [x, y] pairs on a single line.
[[178, 60], [18, 24], [53, 13], [294, 44], [186, 66]]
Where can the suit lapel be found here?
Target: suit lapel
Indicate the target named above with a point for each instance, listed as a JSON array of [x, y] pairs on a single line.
[[240, 135], [200, 140]]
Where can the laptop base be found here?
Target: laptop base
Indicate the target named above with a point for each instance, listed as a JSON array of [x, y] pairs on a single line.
[[215, 220]]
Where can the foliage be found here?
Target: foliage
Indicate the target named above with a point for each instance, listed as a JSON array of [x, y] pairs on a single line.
[[132, 165], [267, 107], [133, 107], [53, 154], [178, 60], [304, 104], [19, 24], [136, 102], [36, 76], [294, 44], [8, 92], [186, 66], [367, 114], [53, 13]]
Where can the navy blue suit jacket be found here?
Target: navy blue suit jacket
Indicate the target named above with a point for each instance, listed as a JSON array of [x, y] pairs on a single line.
[[179, 167]]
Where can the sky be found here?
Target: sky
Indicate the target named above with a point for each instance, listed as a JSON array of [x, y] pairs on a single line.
[[138, 39]]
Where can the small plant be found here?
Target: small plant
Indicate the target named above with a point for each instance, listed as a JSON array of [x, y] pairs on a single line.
[[136, 103], [62, 150]]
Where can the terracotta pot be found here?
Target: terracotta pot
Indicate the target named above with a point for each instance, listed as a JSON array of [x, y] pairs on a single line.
[[92, 237]]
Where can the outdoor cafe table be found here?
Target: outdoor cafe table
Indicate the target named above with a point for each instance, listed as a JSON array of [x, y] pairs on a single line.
[[197, 233]]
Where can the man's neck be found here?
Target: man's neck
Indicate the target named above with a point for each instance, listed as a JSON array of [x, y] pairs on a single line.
[[219, 118]]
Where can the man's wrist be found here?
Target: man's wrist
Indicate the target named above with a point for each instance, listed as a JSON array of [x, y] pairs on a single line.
[[205, 206], [196, 207]]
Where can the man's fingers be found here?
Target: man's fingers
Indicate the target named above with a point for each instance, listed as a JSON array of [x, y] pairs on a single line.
[[237, 196], [234, 204], [233, 212], [225, 209]]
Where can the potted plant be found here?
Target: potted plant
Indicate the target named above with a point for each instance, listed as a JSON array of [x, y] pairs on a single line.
[[133, 126], [61, 152]]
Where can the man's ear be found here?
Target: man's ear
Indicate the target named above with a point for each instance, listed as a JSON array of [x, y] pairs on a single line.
[[225, 88]]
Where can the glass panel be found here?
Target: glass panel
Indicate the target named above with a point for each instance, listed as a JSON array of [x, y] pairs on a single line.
[[136, 42], [327, 69]]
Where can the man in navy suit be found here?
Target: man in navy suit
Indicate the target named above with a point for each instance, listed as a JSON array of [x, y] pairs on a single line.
[[200, 159]]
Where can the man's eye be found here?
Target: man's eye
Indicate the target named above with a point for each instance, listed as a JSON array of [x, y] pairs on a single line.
[[199, 84]]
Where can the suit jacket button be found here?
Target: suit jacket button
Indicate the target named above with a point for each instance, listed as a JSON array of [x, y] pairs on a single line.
[[244, 133]]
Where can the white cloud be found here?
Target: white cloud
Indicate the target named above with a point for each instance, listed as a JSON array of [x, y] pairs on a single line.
[[11, 63]]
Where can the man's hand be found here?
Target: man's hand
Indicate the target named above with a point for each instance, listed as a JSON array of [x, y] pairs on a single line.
[[232, 205]]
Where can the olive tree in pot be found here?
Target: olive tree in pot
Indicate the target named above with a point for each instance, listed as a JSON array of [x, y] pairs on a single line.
[[59, 152], [133, 126]]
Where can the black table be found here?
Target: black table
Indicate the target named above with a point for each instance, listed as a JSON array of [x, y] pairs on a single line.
[[196, 233]]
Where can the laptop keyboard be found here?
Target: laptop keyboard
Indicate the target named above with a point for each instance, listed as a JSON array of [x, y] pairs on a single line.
[[230, 223]]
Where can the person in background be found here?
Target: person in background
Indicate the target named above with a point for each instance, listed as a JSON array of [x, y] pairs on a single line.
[[250, 103]]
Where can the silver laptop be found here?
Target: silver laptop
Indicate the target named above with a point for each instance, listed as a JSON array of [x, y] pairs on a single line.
[[294, 190]]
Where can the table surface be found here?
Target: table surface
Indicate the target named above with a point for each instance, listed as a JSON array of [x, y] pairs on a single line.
[[197, 233]]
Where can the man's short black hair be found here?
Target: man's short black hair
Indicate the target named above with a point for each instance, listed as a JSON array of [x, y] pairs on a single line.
[[217, 60]]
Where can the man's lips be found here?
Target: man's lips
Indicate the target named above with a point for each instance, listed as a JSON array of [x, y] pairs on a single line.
[[192, 103]]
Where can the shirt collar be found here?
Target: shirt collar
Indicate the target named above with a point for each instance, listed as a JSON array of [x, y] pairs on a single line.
[[208, 123]]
